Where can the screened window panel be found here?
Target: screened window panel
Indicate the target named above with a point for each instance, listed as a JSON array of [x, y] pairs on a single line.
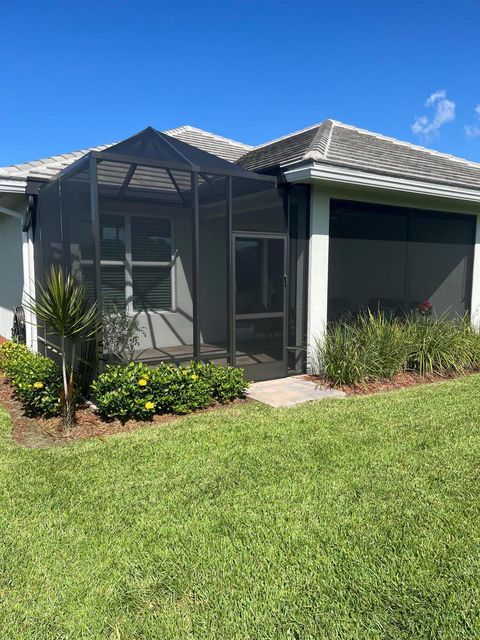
[[259, 264], [213, 242], [441, 257], [111, 178], [367, 260], [49, 227], [112, 237], [257, 206], [152, 289], [151, 239], [393, 258], [113, 286], [298, 275]]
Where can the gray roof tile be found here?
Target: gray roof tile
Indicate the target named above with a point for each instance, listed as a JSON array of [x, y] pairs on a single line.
[[222, 147], [330, 142], [338, 144]]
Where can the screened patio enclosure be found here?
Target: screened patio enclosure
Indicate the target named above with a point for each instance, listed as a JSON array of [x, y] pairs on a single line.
[[193, 246], [395, 258]]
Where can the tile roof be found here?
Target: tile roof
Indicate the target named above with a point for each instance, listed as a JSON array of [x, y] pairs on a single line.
[[330, 143], [342, 145], [222, 147]]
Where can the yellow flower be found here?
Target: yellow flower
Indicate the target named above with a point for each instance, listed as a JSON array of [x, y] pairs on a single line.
[[143, 382], [38, 385], [194, 377], [149, 405]]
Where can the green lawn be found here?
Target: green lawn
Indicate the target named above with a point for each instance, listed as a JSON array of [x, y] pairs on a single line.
[[353, 519]]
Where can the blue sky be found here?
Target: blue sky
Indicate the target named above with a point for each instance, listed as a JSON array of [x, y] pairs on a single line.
[[76, 74]]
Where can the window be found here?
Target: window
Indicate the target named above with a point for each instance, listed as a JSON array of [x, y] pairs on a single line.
[[136, 262]]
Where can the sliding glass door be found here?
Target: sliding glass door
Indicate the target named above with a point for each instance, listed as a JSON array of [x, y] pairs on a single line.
[[259, 302]]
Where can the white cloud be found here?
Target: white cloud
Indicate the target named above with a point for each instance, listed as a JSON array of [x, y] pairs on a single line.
[[444, 111], [473, 130]]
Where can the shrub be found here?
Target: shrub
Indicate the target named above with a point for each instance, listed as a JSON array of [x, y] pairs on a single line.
[[441, 345], [373, 347], [36, 379], [120, 334], [137, 392]]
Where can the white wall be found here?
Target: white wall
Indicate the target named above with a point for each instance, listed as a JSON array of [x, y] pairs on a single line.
[[11, 270], [317, 270]]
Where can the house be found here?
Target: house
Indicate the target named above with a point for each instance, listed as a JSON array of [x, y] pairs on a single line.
[[230, 253]]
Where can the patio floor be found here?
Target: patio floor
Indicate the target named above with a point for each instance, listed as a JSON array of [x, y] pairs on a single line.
[[287, 392]]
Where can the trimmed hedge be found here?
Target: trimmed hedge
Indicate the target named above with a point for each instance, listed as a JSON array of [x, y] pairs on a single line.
[[37, 380], [137, 392]]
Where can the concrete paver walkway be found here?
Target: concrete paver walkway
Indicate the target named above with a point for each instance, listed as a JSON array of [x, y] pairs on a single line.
[[287, 392]]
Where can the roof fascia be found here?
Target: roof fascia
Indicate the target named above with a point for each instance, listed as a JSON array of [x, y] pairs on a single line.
[[317, 172], [13, 185]]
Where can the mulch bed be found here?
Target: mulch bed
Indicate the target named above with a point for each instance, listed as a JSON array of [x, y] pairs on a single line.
[[402, 380], [37, 433]]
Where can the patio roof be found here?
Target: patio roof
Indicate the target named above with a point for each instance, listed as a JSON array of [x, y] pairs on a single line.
[[152, 147], [47, 168]]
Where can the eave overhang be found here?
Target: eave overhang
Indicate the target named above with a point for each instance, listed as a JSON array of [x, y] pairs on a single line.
[[13, 185], [316, 172]]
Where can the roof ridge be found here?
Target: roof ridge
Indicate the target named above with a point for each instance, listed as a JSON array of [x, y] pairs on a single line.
[[288, 135], [411, 145], [210, 134], [315, 150], [329, 140]]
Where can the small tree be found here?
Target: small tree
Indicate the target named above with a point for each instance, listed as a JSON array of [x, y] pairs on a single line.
[[120, 334], [61, 305]]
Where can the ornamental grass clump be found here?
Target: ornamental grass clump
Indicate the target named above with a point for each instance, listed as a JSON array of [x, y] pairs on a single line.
[[374, 347], [137, 392], [440, 345]]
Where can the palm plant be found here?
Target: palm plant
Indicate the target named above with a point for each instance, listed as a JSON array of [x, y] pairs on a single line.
[[61, 305]]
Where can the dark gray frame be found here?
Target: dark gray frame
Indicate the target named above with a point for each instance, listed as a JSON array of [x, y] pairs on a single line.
[[263, 371], [202, 168]]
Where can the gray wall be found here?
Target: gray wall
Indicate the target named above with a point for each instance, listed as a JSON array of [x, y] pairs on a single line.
[[11, 270]]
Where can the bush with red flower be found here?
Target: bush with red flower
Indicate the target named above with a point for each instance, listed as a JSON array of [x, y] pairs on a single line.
[[425, 309]]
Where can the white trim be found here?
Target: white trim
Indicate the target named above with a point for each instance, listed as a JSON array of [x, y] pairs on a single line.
[[317, 270], [325, 173], [8, 185], [29, 288], [475, 300]]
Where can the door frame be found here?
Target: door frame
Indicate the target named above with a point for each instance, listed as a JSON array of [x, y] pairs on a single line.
[[260, 235]]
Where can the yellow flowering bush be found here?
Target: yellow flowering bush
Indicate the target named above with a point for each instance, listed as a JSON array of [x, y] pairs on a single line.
[[36, 379], [137, 392]]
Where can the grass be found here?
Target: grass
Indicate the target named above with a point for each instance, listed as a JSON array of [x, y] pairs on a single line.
[[344, 519]]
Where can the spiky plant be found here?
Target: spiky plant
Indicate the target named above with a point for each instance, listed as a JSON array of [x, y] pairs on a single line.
[[61, 305]]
